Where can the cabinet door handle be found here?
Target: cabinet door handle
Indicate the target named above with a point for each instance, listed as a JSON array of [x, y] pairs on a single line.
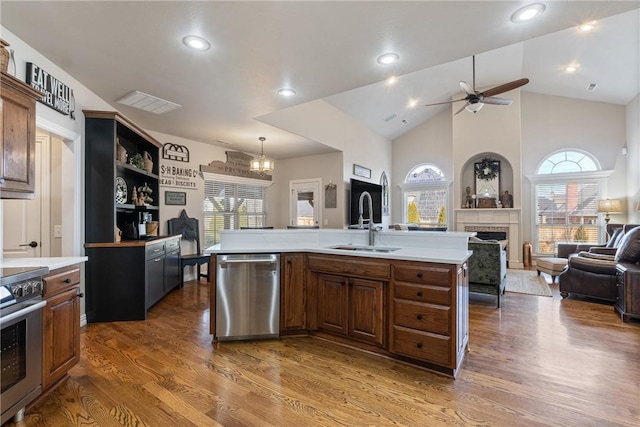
[[419, 345], [419, 275], [81, 295], [67, 280], [419, 293], [288, 261], [419, 316]]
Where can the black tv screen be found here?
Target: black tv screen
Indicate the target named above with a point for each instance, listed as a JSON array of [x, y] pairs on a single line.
[[357, 188]]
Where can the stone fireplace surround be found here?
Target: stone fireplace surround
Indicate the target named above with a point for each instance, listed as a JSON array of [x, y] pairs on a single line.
[[495, 220]]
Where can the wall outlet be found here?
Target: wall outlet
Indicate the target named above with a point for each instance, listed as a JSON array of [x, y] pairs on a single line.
[[57, 231]]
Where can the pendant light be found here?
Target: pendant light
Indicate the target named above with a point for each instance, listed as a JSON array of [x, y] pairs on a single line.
[[262, 165]]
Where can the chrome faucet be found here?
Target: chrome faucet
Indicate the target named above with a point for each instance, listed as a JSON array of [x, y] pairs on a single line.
[[372, 227]]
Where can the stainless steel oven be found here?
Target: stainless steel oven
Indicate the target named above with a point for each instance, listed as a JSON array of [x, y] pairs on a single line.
[[21, 306]]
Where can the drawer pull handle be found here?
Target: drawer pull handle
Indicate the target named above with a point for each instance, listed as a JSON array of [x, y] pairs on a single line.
[[419, 345], [288, 261], [67, 280], [419, 316], [81, 295], [419, 293], [419, 275]]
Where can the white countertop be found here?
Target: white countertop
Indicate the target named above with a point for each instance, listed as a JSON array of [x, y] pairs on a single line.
[[413, 246], [50, 262]]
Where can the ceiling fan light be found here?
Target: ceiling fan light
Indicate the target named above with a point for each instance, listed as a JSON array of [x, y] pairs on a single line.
[[527, 13], [474, 107]]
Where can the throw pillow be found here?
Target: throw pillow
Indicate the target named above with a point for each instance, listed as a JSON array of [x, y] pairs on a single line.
[[629, 249]]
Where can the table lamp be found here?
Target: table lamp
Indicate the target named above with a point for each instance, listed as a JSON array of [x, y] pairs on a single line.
[[609, 206]]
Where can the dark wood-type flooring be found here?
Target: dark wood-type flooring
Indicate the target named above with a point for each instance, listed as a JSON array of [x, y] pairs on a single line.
[[537, 361]]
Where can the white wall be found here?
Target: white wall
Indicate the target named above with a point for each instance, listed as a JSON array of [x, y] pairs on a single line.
[[633, 159], [328, 167]]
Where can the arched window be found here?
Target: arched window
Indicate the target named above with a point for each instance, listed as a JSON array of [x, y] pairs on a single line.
[[567, 187], [425, 194]]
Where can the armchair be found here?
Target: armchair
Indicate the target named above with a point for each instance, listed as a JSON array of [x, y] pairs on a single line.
[[487, 267], [593, 273], [615, 231]]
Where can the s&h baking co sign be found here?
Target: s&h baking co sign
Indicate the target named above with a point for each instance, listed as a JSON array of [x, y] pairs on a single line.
[[57, 95]]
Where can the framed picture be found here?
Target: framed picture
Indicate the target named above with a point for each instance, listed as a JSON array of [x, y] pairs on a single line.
[[361, 171], [175, 198]]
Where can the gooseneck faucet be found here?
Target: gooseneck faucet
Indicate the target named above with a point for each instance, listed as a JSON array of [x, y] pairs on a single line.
[[372, 228]]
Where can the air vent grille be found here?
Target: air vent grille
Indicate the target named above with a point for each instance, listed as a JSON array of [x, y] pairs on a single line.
[[592, 86], [146, 102]]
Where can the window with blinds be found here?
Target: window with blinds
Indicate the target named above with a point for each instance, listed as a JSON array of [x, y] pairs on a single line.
[[425, 195], [230, 206], [566, 212]]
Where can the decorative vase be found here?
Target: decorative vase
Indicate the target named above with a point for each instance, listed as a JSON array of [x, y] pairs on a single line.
[[4, 56], [121, 153], [148, 162]]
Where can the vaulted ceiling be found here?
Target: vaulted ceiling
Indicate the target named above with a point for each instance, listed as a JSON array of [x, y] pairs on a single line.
[[324, 50]]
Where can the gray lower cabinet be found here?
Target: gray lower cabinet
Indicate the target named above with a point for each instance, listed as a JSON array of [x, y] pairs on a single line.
[[123, 280]]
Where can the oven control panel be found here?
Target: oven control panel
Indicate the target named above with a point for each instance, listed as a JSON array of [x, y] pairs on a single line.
[[20, 291]]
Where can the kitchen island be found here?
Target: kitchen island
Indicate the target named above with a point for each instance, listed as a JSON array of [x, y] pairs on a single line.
[[405, 297]]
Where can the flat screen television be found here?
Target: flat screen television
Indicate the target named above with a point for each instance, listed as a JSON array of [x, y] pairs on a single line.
[[357, 188]]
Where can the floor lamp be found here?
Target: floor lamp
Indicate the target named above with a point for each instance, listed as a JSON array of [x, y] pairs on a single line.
[[609, 206]]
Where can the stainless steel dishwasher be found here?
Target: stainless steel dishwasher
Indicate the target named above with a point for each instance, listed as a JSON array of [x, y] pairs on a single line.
[[247, 296]]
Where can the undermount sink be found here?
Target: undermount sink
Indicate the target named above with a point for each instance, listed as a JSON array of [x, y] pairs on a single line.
[[383, 249]]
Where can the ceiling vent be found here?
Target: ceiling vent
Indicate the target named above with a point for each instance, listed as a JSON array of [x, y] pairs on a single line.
[[391, 117], [591, 87], [146, 102]]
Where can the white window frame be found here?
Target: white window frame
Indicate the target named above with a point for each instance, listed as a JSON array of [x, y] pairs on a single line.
[[444, 184]]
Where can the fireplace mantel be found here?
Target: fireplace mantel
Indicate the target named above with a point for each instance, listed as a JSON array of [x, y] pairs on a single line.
[[507, 218]]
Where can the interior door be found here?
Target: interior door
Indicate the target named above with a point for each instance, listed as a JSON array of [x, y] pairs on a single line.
[[22, 219], [305, 203]]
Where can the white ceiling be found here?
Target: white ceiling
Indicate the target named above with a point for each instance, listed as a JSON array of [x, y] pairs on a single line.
[[324, 50]]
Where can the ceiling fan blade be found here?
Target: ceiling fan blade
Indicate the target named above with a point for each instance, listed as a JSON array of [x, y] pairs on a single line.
[[505, 87], [467, 88], [445, 102], [496, 101], [461, 109]]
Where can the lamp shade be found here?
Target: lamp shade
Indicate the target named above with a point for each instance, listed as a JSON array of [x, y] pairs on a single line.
[[609, 206], [474, 107]]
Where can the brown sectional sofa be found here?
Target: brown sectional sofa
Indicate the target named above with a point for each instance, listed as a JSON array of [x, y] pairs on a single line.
[[591, 271]]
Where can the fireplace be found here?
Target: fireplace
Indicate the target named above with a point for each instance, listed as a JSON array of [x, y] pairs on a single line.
[[492, 224]]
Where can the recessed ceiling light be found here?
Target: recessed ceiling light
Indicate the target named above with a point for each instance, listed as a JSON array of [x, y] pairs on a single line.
[[571, 68], [286, 92], [412, 103], [528, 12], [392, 80], [388, 58], [195, 42], [587, 26]]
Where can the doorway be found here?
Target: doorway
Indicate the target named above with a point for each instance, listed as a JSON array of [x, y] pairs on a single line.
[[305, 203]]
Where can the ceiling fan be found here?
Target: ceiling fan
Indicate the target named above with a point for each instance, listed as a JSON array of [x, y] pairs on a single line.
[[476, 100]]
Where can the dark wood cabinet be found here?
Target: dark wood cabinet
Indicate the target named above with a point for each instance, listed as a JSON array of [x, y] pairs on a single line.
[[293, 302], [628, 300], [351, 303], [18, 144], [428, 315], [61, 324]]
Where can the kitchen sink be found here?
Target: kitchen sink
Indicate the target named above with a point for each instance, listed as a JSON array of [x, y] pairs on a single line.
[[383, 249]]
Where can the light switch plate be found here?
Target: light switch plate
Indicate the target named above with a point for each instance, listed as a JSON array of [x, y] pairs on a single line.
[[57, 231]]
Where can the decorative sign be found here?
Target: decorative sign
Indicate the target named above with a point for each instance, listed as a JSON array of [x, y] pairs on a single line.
[[179, 177], [237, 164], [57, 95], [176, 152], [361, 171], [175, 198], [330, 195]]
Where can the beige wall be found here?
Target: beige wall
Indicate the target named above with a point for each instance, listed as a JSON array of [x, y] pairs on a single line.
[[633, 159]]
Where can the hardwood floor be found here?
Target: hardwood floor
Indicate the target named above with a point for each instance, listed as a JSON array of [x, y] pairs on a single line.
[[536, 361]]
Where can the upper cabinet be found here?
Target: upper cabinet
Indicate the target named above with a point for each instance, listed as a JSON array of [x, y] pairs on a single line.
[[18, 144], [120, 160]]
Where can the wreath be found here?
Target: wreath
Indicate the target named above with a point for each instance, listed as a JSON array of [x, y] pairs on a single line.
[[487, 169]]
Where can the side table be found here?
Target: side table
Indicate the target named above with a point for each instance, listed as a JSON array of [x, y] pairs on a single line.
[[628, 301]]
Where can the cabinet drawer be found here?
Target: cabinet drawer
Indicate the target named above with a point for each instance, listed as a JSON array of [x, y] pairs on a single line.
[[425, 317], [351, 267], [155, 250], [421, 345], [172, 245], [423, 293], [60, 280], [420, 274]]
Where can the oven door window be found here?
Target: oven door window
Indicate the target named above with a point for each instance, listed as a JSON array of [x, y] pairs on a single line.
[[14, 358]]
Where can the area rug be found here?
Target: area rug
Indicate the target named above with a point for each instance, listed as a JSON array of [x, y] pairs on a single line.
[[527, 282]]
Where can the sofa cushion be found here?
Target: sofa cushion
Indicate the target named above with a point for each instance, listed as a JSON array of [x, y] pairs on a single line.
[[593, 263], [629, 248], [614, 238]]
